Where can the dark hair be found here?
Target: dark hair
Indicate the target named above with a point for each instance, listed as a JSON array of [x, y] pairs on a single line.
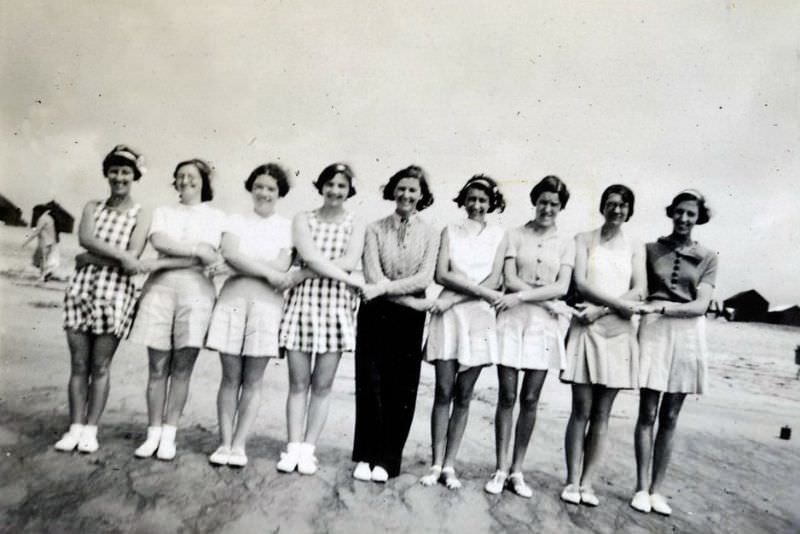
[[551, 184], [703, 211], [332, 170], [270, 169], [487, 185], [124, 155], [622, 190], [206, 193], [416, 173]]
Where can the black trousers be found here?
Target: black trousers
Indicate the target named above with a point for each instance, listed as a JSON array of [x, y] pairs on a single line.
[[388, 359]]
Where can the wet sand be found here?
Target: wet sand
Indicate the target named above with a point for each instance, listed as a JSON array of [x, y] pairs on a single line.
[[730, 472]]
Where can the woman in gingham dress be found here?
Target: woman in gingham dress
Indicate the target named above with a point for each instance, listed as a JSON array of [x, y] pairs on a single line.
[[319, 314], [100, 300]]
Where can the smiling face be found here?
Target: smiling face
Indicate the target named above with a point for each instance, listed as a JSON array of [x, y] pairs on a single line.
[[120, 178], [189, 184], [265, 193], [684, 217], [616, 210], [407, 194], [547, 207], [335, 190], [477, 203]]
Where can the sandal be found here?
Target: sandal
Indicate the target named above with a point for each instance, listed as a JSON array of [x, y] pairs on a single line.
[[432, 477], [450, 479], [518, 485], [496, 483]]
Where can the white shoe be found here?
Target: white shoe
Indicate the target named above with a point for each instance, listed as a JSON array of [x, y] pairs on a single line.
[[238, 458], [518, 485], [70, 440], [288, 461], [362, 472], [658, 503], [641, 502], [148, 448], [166, 447], [433, 476], [496, 483], [379, 474], [306, 461], [220, 456], [88, 441], [571, 494]]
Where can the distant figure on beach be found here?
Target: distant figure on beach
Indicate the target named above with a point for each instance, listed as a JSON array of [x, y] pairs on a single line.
[[100, 299], [319, 314], [672, 341], [246, 317], [531, 326], [462, 336], [602, 349], [177, 301], [400, 258], [46, 257]]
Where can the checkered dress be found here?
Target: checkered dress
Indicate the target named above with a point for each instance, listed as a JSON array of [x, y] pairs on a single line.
[[102, 299], [319, 315]]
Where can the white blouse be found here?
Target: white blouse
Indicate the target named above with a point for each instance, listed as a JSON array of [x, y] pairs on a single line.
[[261, 238], [199, 223]]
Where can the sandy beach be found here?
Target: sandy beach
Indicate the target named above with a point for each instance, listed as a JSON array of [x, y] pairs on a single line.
[[730, 471]]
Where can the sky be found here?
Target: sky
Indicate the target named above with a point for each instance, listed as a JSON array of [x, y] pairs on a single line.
[[659, 96]]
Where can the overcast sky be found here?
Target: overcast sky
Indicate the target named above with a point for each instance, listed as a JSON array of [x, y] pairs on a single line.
[[657, 95]]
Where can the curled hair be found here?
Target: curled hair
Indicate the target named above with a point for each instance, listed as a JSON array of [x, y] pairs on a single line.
[[275, 171], [330, 171], [703, 211], [551, 184], [487, 185], [623, 191], [124, 155], [416, 173], [206, 193]]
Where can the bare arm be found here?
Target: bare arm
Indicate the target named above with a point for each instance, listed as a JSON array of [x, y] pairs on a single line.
[[36, 231], [695, 308], [308, 251], [619, 304], [88, 241], [273, 272]]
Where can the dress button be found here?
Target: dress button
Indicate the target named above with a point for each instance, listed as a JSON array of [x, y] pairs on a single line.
[[538, 260]]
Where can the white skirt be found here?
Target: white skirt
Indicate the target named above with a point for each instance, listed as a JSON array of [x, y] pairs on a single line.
[[466, 332], [604, 352], [673, 354], [246, 319], [530, 337]]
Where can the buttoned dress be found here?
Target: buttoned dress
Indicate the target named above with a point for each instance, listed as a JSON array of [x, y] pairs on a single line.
[[530, 336], [673, 350]]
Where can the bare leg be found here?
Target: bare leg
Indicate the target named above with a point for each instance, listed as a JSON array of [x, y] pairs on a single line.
[[180, 373], [671, 405], [321, 383], [157, 374], [643, 436], [446, 371], [528, 404], [603, 400], [228, 396], [465, 384], [103, 350], [252, 377], [504, 415], [78, 388], [299, 366], [576, 430]]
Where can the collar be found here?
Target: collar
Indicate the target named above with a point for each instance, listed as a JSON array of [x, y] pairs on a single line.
[[396, 221], [691, 251]]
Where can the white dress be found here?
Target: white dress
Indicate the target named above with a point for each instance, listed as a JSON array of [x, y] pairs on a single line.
[[605, 352], [532, 337], [247, 314], [467, 331]]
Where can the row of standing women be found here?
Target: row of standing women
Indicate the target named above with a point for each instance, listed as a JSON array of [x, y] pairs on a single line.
[[638, 322]]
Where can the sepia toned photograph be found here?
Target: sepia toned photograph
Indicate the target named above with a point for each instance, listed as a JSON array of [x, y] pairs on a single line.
[[403, 267]]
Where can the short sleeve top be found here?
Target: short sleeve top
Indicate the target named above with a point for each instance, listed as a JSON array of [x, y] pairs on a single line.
[[539, 257], [199, 223], [261, 238], [675, 272], [473, 254]]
